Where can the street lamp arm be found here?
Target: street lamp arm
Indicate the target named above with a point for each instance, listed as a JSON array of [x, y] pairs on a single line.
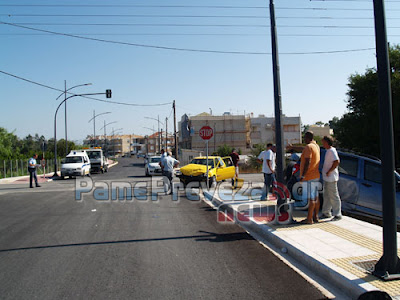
[[85, 84], [155, 120], [99, 115], [108, 124]]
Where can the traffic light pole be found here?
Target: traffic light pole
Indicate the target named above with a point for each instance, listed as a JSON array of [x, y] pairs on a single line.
[[388, 267], [107, 93]]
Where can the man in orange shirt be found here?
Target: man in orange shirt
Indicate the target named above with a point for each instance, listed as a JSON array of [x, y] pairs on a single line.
[[309, 173]]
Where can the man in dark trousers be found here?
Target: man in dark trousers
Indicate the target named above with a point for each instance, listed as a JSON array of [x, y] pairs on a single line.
[[235, 159], [32, 170]]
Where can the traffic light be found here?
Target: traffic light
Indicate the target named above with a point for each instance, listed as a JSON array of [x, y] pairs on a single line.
[[108, 93]]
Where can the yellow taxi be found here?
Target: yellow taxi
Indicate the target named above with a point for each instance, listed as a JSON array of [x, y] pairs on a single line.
[[219, 169]]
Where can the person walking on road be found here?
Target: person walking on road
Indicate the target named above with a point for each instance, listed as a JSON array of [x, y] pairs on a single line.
[[330, 175], [309, 173], [168, 163], [32, 165], [268, 160], [235, 159]]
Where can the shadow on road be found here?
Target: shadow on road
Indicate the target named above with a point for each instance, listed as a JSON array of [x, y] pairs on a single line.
[[134, 165], [207, 236]]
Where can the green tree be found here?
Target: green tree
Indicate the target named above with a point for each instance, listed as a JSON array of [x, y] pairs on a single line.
[[359, 128], [8, 143], [255, 152], [224, 150]]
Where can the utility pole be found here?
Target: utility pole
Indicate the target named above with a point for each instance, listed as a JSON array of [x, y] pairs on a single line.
[[65, 105], [388, 267], [105, 136], [215, 136], [159, 136], [175, 133], [94, 128], [280, 157], [166, 134]]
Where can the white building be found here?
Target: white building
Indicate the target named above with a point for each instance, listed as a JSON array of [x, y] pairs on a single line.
[[262, 130]]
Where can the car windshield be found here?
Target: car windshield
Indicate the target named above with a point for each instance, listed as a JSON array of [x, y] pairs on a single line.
[[203, 161], [94, 154], [154, 159], [73, 160]]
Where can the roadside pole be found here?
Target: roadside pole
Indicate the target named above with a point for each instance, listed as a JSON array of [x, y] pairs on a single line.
[[175, 133], [208, 180], [206, 133], [280, 156], [388, 267]]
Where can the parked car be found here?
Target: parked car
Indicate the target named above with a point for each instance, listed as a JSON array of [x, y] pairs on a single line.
[[76, 163], [220, 168], [152, 166], [359, 185]]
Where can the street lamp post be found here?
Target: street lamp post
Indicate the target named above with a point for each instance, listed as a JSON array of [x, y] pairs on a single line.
[[113, 139], [159, 136], [105, 133], [65, 106], [94, 124], [108, 93]]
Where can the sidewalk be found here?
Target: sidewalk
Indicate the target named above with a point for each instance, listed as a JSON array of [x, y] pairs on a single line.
[[339, 252], [41, 179]]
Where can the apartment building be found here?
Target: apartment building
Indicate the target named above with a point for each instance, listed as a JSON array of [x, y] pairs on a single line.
[[262, 130]]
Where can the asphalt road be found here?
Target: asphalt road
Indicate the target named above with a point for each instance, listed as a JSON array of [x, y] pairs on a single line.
[[53, 247]]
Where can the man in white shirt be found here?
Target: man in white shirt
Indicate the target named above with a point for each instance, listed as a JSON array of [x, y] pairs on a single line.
[[330, 175], [32, 171], [268, 160], [167, 164]]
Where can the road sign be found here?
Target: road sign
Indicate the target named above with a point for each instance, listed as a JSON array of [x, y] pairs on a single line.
[[206, 132]]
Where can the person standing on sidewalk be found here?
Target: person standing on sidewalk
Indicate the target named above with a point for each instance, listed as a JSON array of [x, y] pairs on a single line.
[[268, 160], [168, 163], [32, 165], [330, 174], [235, 159], [309, 173]]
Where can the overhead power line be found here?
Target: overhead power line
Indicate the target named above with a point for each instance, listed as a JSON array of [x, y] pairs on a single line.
[[91, 98], [198, 34], [133, 16], [182, 49], [22, 24], [139, 24], [190, 6], [187, 16], [133, 5]]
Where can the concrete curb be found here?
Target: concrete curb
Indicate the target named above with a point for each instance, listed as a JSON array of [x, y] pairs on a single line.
[[13, 179], [263, 231]]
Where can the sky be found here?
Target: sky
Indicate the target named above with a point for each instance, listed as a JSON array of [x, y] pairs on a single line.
[[97, 42]]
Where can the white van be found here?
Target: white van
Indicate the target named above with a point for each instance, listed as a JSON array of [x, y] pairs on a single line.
[[76, 163]]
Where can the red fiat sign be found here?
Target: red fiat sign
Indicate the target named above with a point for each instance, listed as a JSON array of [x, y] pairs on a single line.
[[206, 132]]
